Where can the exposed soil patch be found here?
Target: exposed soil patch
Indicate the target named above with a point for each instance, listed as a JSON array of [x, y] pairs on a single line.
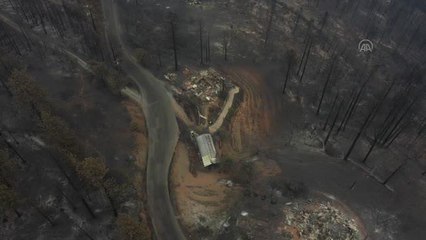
[[252, 120], [140, 149], [201, 200]]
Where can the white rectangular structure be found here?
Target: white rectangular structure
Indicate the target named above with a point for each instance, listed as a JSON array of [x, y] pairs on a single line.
[[207, 150]]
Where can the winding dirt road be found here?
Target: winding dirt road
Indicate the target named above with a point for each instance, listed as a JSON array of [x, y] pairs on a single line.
[[228, 104]]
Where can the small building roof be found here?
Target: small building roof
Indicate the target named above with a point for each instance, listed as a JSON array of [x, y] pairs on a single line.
[[207, 150]]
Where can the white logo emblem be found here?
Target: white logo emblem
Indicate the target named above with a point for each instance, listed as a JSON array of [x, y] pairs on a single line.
[[365, 46]]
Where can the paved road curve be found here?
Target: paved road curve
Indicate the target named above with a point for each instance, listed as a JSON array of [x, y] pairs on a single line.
[[162, 129]]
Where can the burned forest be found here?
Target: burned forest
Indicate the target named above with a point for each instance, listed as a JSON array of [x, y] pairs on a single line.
[[212, 119]]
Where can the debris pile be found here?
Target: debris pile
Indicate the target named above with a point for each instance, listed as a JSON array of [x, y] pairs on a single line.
[[206, 85], [194, 2], [171, 77], [321, 221]]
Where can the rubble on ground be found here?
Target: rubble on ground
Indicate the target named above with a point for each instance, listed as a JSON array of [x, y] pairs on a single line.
[[320, 221], [194, 2], [228, 183], [206, 85], [171, 77]]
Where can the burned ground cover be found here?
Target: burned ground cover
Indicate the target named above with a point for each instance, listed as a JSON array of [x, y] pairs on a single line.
[[312, 108], [56, 143], [73, 149], [365, 109]]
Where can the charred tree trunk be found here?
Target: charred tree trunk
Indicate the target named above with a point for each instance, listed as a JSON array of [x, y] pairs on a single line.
[[334, 122], [45, 216], [323, 22], [14, 150], [394, 173], [84, 232], [93, 21], [324, 89], [330, 112], [357, 99], [391, 117], [303, 57], [225, 47], [208, 48], [413, 37], [70, 202], [306, 62], [160, 62], [269, 23], [73, 186], [396, 135], [398, 122], [4, 85], [174, 44], [360, 131], [287, 76], [18, 214], [352, 100], [420, 131], [299, 13], [111, 201], [368, 120], [201, 44], [370, 150]]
